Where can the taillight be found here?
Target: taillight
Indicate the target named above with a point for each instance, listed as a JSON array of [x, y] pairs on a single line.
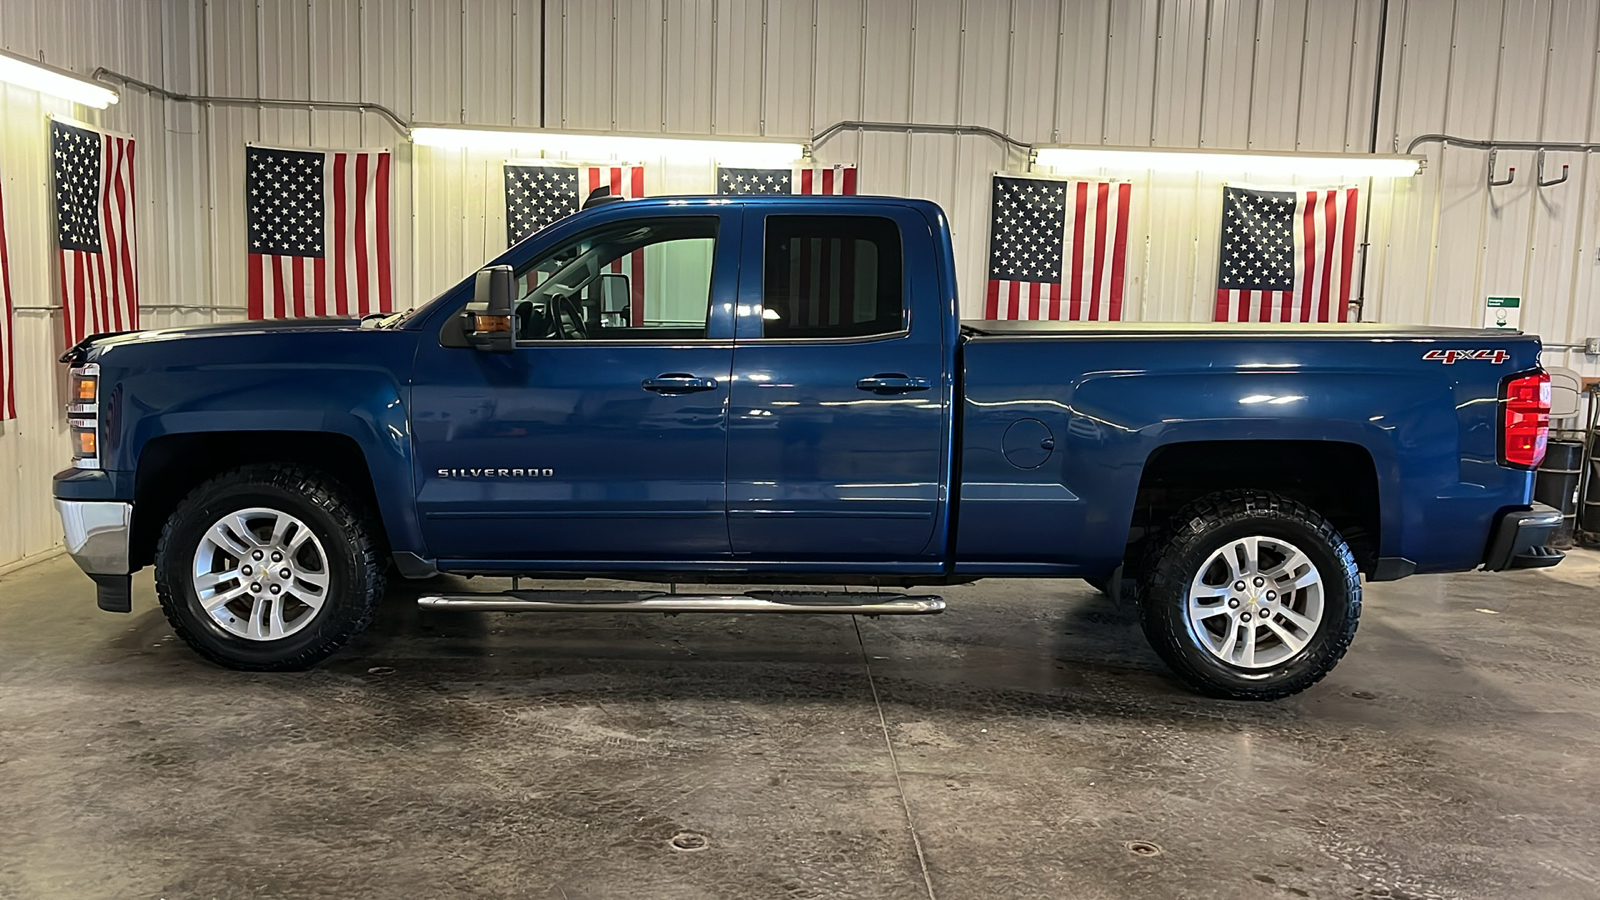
[[1525, 428]]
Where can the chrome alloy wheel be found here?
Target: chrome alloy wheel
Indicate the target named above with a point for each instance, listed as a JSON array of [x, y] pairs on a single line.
[[260, 574], [1256, 602]]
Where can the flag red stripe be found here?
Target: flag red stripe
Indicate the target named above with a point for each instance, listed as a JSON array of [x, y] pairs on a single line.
[[1075, 293], [8, 371], [297, 285], [991, 307], [827, 180], [1325, 289], [1119, 250], [636, 283], [255, 310], [363, 296], [806, 178], [319, 280], [385, 288], [335, 241], [1308, 220], [1348, 256], [279, 307], [80, 298], [850, 180], [111, 161], [125, 217], [1103, 199]]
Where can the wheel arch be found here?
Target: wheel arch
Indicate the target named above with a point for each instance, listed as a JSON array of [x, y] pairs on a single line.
[[1176, 474], [172, 465]]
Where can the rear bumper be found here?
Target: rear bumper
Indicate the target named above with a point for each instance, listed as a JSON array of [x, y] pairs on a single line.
[[1518, 540]]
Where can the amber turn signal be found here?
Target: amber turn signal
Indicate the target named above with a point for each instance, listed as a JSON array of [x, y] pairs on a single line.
[[86, 445], [86, 388], [487, 324]]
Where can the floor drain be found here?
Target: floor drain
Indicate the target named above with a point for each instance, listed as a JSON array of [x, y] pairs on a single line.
[[1143, 848], [689, 842]]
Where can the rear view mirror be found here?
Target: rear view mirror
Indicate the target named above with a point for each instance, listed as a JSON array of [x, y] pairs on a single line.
[[489, 322]]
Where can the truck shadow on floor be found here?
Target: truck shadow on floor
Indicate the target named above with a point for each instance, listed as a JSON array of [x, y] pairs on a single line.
[[1045, 656]]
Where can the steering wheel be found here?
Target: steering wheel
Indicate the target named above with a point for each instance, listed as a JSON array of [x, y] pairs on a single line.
[[569, 320]]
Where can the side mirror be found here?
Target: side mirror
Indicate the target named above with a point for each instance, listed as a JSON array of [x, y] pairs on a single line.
[[616, 299], [489, 322]]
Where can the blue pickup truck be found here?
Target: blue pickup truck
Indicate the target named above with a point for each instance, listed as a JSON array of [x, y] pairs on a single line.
[[777, 390]]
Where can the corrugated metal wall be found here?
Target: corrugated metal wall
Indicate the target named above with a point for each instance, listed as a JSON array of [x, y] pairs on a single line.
[[1244, 74], [78, 35]]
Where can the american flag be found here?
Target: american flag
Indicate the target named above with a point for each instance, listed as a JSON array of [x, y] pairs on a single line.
[[1287, 256], [8, 345], [95, 229], [539, 194], [1057, 249], [319, 232], [837, 180]]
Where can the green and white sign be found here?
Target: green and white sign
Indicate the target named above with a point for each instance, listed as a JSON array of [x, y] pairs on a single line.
[[1502, 312]]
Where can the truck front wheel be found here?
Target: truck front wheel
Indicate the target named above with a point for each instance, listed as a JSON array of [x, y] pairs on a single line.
[[1250, 595], [268, 568]]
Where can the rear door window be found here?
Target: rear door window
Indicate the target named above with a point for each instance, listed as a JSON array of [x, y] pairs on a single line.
[[832, 277]]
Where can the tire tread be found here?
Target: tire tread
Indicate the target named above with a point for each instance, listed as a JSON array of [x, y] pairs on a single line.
[[318, 489], [1163, 575]]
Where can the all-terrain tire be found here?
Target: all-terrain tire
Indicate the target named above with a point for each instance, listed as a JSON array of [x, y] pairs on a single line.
[[353, 568], [1204, 528]]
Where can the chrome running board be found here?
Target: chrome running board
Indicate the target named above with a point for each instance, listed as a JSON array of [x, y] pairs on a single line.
[[813, 602]]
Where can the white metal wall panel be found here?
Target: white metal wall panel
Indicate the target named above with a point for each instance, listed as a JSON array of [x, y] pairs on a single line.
[[487, 61], [984, 63], [1033, 85], [1229, 75], [687, 54], [1179, 94], [78, 37], [736, 64], [939, 58], [1132, 40], [1326, 75], [786, 76], [637, 56], [1081, 94], [526, 83]]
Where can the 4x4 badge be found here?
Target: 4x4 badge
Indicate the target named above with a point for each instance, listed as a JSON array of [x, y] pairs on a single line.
[[1450, 356]]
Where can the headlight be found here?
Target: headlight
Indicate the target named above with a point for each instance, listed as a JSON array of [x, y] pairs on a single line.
[[83, 415]]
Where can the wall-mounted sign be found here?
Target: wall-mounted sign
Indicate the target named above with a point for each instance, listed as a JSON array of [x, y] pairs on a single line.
[[1502, 312]]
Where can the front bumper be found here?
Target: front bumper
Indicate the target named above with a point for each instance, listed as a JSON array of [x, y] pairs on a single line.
[[1518, 540], [97, 534]]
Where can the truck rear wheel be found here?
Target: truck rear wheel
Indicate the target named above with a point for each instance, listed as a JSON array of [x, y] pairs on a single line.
[[1250, 595], [268, 568]]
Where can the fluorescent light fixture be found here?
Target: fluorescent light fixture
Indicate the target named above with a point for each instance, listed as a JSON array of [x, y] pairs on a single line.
[[49, 80], [1230, 161], [754, 152]]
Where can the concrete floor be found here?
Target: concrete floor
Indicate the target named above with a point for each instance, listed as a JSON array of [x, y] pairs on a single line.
[[1019, 745]]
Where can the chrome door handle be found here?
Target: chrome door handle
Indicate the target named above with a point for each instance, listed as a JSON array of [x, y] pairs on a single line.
[[893, 384], [678, 383]]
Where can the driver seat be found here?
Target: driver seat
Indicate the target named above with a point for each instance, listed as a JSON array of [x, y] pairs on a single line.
[[532, 323]]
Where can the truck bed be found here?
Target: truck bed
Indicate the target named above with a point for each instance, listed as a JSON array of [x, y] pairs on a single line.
[[1229, 330]]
